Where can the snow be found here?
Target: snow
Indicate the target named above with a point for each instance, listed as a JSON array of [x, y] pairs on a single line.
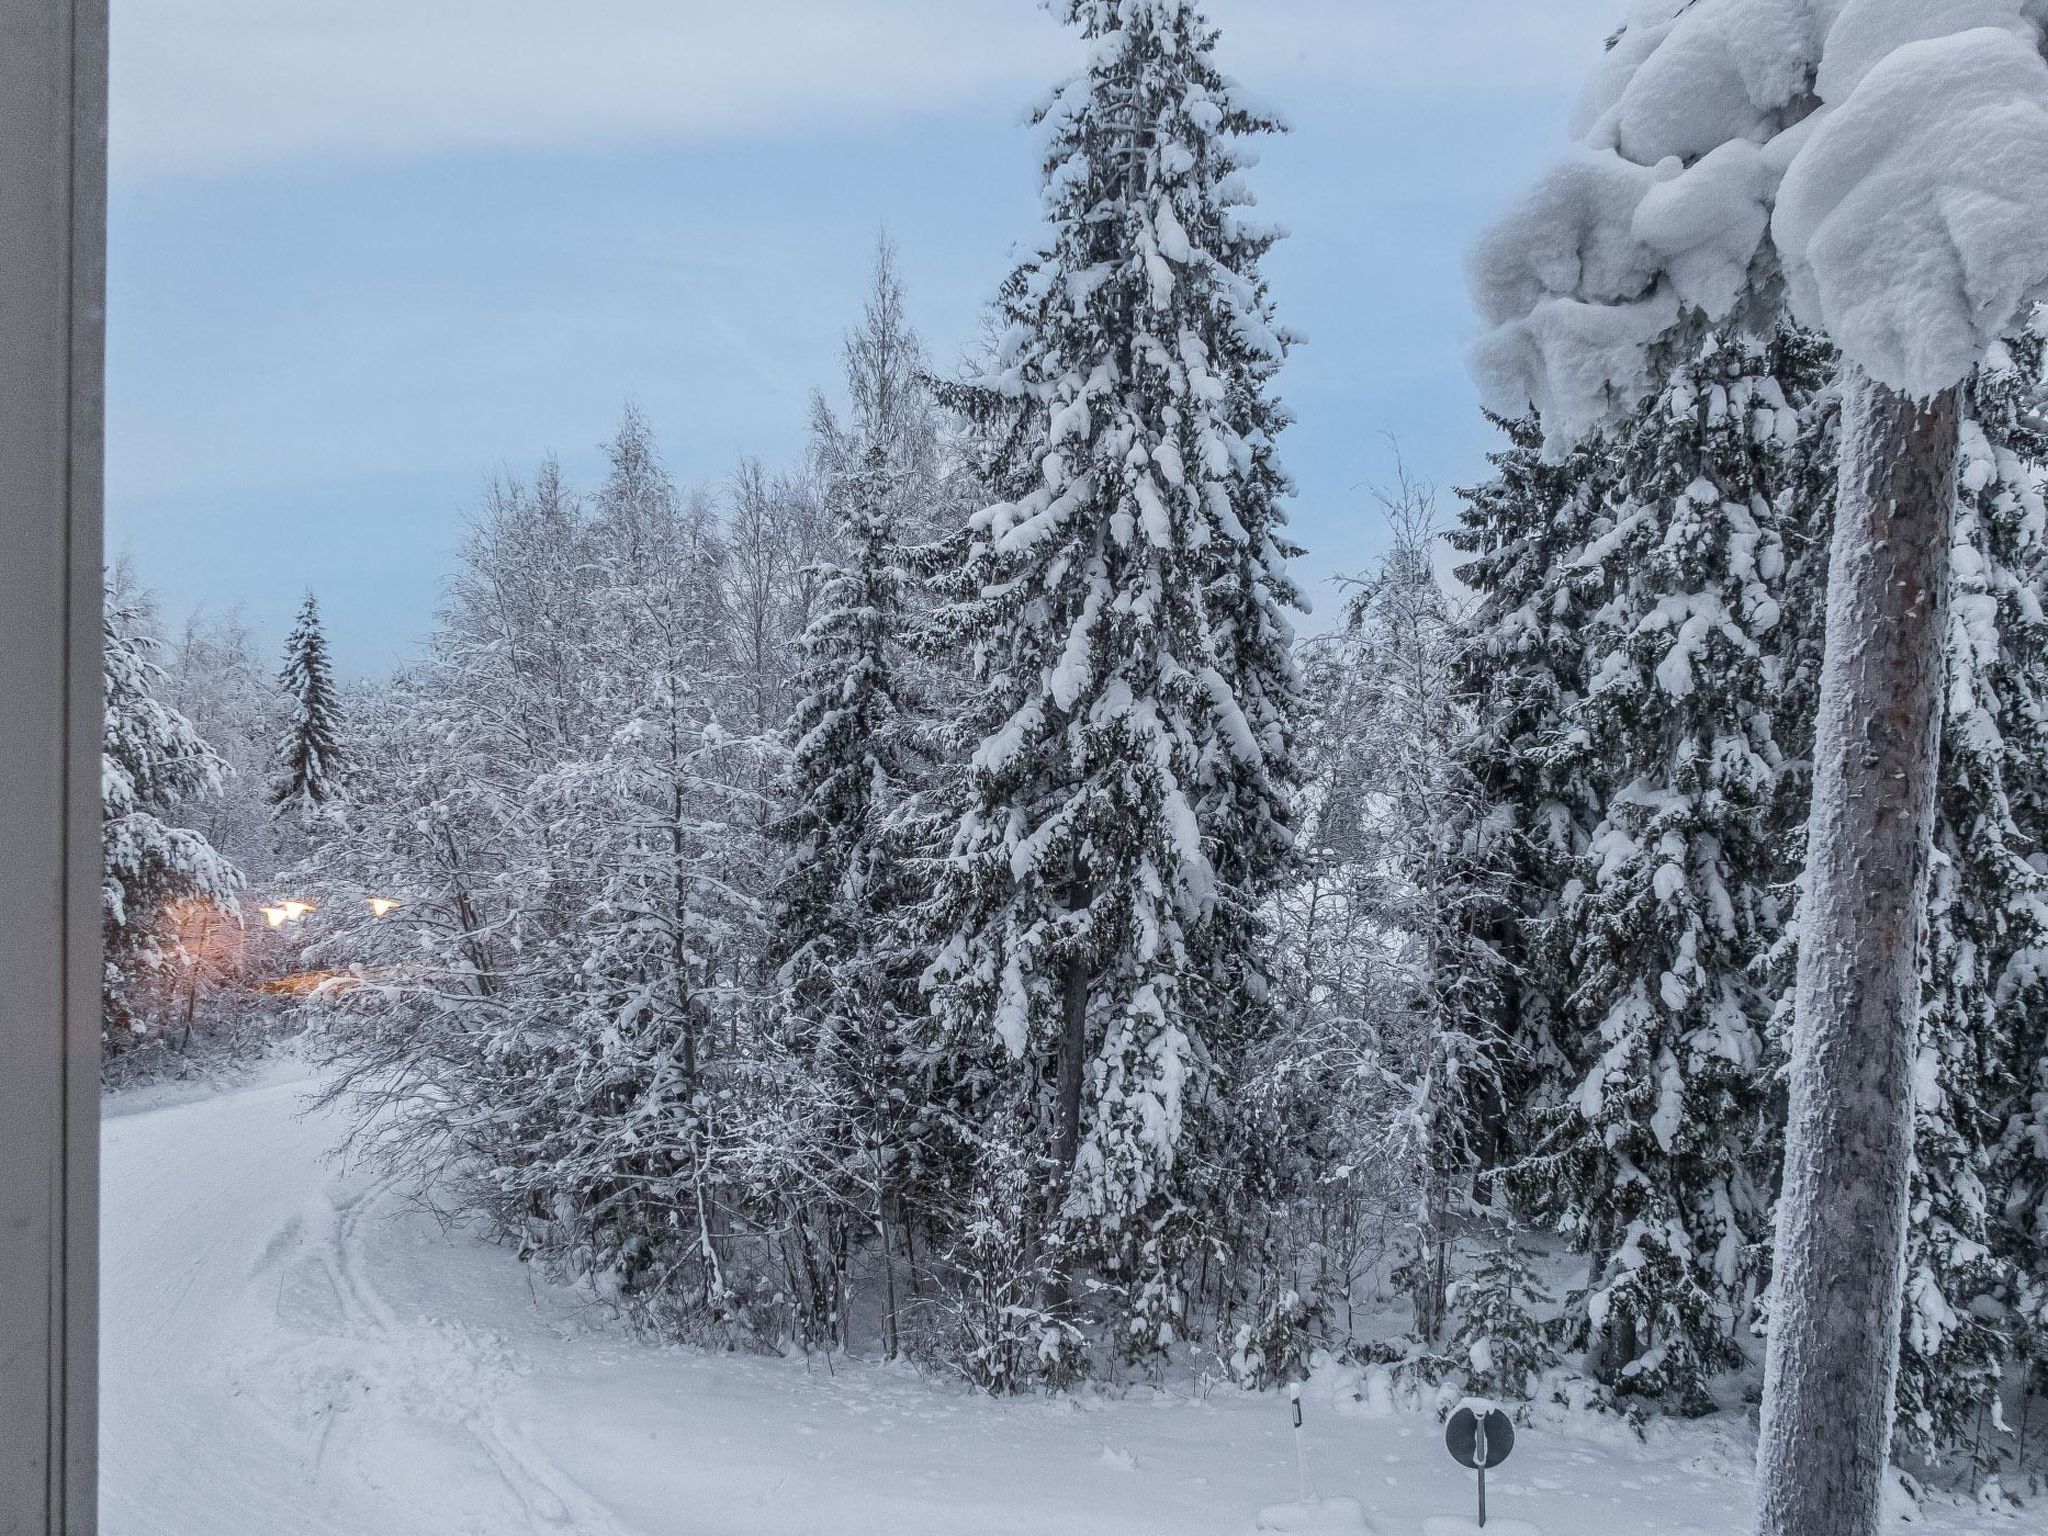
[[1891, 154], [1568, 237], [291, 1348], [1866, 31], [1914, 221], [1013, 1008], [1173, 238], [1719, 70], [1705, 221], [1314, 1517]]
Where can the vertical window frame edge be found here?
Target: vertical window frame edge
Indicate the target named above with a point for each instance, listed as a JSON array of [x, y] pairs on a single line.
[[53, 135], [78, 1471]]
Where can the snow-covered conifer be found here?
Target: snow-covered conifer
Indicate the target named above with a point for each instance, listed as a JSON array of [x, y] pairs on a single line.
[[1886, 161], [309, 755], [848, 964], [1499, 959], [1128, 805], [1982, 979], [1980, 986], [1669, 904], [1502, 1343]]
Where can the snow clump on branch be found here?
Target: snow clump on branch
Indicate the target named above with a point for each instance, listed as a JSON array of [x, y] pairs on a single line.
[[1887, 159]]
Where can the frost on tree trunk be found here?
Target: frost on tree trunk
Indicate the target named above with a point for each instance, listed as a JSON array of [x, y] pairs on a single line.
[[1834, 1341]]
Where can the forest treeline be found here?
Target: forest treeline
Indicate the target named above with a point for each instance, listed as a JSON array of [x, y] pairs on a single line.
[[929, 900]]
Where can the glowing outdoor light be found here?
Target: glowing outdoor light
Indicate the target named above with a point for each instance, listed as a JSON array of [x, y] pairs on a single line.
[[286, 912], [381, 906]]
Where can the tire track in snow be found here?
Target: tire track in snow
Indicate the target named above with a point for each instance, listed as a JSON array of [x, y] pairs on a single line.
[[446, 1373]]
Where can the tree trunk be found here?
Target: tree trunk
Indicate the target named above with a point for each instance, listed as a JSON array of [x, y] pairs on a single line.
[[1074, 982], [1073, 1047], [466, 919], [885, 1204], [1834, 1341], [1429, 1271], [679, 913], [1067, 1139]]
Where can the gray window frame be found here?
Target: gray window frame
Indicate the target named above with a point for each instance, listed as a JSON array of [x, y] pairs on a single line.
[[53, 117]]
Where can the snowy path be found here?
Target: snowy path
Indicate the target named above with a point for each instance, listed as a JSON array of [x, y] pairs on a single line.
[[291, 1351]]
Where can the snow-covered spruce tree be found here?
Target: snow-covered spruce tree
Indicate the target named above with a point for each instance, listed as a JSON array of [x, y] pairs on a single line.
[[1980, 987], [1891, 162], [848, 962], [1987, 919], [1603, 576], [152, 761], [1500, 957], [1502, 1344], [2022, 1190], [1669, 907], [309, 754], [1128, 804]]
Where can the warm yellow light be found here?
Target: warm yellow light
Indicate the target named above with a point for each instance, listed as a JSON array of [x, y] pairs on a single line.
[[286, 912], [381, 906]]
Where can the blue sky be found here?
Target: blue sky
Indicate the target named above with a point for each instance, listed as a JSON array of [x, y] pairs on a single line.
[[365, 254]]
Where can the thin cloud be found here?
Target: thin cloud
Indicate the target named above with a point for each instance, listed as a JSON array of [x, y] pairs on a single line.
[[213, 86]]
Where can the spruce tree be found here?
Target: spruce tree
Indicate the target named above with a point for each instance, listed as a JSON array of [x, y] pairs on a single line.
[[1590, 921], [2021, 1188], [1982, 979], [1669, 904], [1519, 669], [1853, 203], [1127, 809], [1622, 864], [1981, 986], [847, 775], [847, 968], [309, 753], [1501, 1346]]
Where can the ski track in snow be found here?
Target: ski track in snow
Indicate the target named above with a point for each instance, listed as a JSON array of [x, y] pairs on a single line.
[[291, 1348]]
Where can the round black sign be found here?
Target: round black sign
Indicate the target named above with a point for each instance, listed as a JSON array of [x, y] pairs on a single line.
[[1474, 1444]]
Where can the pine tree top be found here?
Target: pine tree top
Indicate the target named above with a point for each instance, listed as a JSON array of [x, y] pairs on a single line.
[[309, 752]]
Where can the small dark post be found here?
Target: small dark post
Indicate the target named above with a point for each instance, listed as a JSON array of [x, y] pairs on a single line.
[[1479, 1451], [1478, 1435]]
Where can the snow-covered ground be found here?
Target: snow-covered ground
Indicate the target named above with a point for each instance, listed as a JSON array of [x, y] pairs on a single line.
[[290, 1348]]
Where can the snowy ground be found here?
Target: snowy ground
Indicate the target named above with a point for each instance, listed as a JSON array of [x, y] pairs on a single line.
[[290, 1349]]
